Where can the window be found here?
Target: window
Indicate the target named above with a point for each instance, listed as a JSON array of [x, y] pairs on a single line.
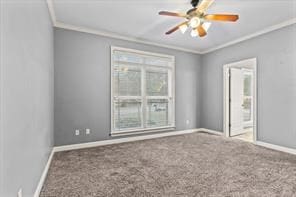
[[248, 97], [142, 93]]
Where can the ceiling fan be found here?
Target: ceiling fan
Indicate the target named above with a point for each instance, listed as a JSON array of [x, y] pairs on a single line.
[[197, 19]]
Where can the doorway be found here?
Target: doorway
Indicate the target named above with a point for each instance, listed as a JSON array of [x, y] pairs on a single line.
[[240, 100]]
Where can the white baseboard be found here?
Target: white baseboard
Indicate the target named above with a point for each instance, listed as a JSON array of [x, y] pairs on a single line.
[[44, 174], [276, 147], [259, 143], [122, 140], [211, 131]]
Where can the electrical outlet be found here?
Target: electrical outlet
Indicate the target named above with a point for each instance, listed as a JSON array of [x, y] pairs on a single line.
[[187, 121], [87, 131], [77, 132], [20, 193]]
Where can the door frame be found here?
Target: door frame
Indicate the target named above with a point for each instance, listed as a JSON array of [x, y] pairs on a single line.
[[248, 64]]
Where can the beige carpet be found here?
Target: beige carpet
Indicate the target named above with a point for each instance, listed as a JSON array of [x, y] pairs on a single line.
[[195, 164]]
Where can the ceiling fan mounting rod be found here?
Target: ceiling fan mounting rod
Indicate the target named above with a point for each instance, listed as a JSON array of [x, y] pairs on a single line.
[[194, 3]]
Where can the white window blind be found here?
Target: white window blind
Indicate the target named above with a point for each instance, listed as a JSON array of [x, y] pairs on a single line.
[[142, 90]]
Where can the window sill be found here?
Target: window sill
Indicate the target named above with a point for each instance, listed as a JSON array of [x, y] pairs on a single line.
[[141, 131]]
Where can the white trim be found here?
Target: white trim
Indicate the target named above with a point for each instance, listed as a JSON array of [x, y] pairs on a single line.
[[51, 11], [250, 62], [253, 35], [44, 174], [117, 36], [143, 131], [276, 147], [211, 131], [121, 140]]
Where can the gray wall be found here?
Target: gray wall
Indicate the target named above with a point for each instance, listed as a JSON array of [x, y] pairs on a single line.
[[82, 85], [276, 78], [26, 94], [1, 133]]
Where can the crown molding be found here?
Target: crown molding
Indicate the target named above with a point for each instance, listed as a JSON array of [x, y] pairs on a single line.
[[253, 35], [62, 25], [51, 11], [117, 36]]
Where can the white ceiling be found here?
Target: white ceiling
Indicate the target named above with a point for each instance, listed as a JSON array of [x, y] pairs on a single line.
[[139, 19]]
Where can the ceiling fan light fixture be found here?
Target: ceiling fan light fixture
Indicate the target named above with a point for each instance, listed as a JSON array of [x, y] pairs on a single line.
[[197, 18], [193, 33], [206, 25], [194, 22], [183, 28]]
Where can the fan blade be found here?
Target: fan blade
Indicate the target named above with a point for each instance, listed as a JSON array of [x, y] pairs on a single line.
[[201, 31], [165, 13], [204, 5], [221, 17], [176, 28]]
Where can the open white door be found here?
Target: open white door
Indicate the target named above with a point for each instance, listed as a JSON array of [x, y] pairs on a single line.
[[236, 101]]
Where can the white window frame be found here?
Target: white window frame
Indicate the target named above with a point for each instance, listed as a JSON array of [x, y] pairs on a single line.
[[143, 84]]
